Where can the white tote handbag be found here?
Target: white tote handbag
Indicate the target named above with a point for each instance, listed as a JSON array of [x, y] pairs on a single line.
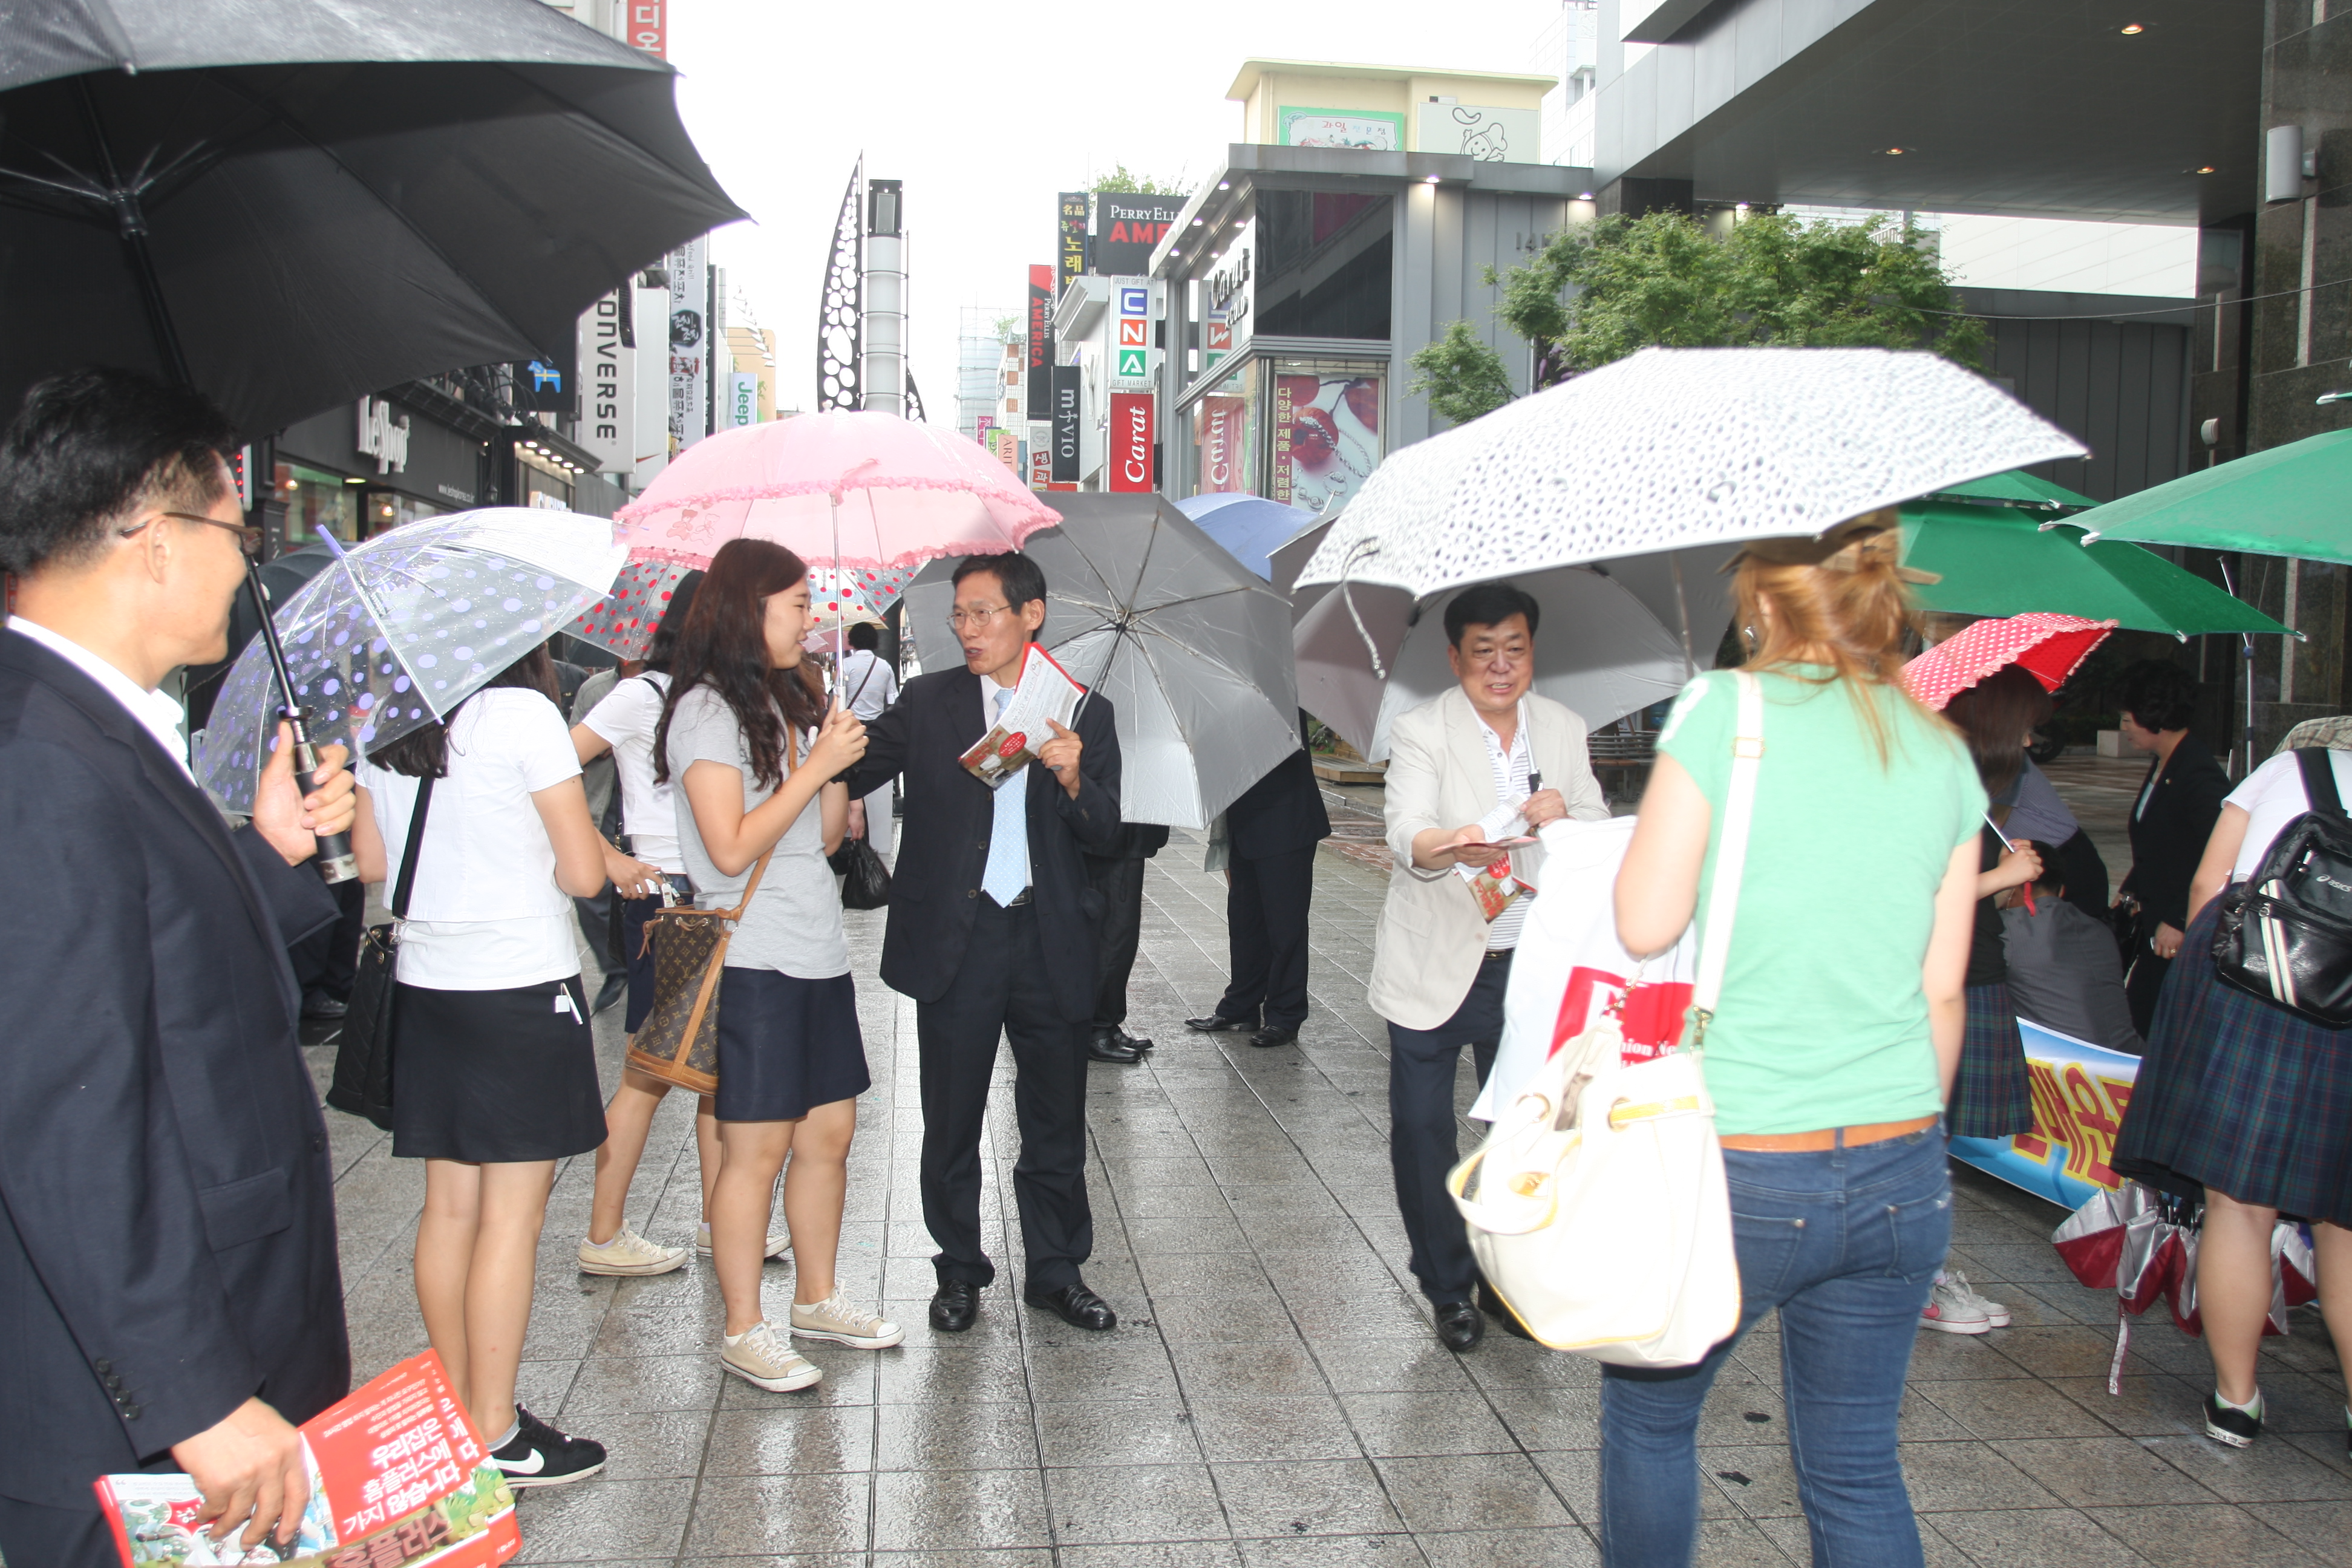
[[1597, 1206]]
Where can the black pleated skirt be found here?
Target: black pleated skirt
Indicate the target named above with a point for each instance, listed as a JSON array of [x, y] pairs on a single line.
[[493, 1077], [786, 1044]]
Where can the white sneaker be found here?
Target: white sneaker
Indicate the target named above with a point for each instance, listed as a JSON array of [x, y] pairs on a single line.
[[1953, 1310], [779, 1242], [844, 1324], [629, 1253], [760, 1355], [1995, 1313]]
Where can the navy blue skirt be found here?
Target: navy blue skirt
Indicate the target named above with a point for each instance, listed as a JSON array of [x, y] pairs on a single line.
[[2240, 1096], [786, 1044], [1992, 1094], [494, 1077]]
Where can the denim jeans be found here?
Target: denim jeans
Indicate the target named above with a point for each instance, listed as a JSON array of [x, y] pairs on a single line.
[[1845, 1243]]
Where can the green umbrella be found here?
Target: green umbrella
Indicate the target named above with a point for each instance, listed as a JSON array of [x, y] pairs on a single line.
[[2000, 561], [2018, 487], [2295, 499]]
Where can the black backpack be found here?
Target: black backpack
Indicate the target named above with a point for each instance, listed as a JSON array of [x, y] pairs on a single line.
[[2284, 934]]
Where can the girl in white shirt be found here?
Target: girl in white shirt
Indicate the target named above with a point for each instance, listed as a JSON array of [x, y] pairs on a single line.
[[496, 1069]]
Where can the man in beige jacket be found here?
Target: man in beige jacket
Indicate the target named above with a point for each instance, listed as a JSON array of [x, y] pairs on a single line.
[[1486, 761]]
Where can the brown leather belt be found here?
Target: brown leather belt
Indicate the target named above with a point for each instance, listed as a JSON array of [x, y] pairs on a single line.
[[1825, 1138]]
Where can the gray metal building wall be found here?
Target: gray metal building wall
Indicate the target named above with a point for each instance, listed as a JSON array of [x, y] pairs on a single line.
[[2119, 384], [1451, 235]]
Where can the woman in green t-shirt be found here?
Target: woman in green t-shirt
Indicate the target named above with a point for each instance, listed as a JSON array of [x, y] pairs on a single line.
[[1832, 1050]]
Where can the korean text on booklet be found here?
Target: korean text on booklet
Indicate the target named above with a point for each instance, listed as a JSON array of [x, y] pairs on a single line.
[[398, 1478], [1044, 693]]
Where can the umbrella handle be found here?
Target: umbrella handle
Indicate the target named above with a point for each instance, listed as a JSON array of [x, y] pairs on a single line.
[[335, 860], [1360, 549]]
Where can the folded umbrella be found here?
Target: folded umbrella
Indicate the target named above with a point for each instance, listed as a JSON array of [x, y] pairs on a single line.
[[287, 205], [1192, 647], [402, 629], [2046, 646]]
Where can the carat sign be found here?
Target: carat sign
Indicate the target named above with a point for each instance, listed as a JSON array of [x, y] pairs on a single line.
[[1131, 442]]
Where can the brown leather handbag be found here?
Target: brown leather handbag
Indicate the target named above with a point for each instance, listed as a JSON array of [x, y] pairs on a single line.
[[678, 1042]]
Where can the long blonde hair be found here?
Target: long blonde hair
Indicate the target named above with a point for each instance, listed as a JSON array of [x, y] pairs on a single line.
[[1848, 612]]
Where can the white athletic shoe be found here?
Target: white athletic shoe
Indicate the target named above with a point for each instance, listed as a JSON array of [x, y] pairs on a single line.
[[844, 1324], [629, 1254], [762, 1356], [1951, 1310], [779, 1242], [1995, 1313]]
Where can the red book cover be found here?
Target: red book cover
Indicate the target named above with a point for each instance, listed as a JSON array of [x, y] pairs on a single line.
[[399, 1478]]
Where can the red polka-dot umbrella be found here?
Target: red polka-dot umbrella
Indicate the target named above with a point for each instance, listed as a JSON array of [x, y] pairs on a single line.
[[624, 622], [2048, 645]]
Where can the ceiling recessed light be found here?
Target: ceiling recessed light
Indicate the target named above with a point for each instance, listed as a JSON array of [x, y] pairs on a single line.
[[1199, 221], [1431, 180], [1897, 152], [1584, 195], [2132, 29], [1224, 185], [2203, 168]]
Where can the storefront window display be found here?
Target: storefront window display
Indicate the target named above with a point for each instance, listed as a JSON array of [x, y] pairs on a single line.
[[318, 503], [1324, 436], [1225, 435], [542, 486], [386, 510]]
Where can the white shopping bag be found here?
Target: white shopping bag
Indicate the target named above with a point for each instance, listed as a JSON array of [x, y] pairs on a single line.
[[1570, 965]]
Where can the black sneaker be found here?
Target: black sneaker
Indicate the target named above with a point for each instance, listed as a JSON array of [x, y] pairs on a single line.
[[2238, 1428], [539, 1456]]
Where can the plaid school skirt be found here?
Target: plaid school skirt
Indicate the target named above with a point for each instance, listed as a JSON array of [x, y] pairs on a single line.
[[2239, 1096], [1993, 1097]]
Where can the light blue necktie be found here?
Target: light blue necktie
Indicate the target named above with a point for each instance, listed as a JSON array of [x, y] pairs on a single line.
[[1008, 840]]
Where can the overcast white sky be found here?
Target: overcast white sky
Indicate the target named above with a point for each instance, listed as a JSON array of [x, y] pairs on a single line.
[[986, 113]]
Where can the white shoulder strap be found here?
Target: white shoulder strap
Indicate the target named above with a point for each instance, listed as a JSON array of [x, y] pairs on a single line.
[[1731, 853]]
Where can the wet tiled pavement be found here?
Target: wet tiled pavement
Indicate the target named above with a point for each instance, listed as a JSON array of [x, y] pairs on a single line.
[[1273, 1394]]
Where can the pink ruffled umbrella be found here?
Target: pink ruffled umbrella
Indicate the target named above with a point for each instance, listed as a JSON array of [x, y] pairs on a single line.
[[862, 491]]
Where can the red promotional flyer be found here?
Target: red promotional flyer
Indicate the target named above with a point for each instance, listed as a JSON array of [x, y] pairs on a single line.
[[398, 1478]]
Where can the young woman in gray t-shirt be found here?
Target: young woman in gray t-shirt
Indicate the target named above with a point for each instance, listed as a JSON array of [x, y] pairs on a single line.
[[751, 749]]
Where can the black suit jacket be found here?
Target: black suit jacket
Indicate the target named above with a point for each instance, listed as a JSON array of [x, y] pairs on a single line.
[[2168, 838], [167, 1222], [1280, 813], [944, 834]]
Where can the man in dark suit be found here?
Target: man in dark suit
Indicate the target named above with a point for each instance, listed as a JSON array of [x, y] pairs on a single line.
[[993, 930], [1117, 879], [2172, 816], [1271, 832], [169, 1295]]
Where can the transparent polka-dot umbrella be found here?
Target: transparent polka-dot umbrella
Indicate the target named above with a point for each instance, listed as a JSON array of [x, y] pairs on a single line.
[[403, 628]]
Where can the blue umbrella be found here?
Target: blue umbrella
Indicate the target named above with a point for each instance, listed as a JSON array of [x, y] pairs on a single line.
[[1250, 529], [402, 629]]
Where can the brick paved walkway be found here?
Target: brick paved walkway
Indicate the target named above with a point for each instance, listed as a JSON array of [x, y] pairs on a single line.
[[1273, 1394]]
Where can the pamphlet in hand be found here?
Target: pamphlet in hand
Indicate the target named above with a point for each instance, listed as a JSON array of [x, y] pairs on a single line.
[[398, 1478], [1044, 693]]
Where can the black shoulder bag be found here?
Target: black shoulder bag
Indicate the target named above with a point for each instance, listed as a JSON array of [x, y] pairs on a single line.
[[362, 1082], [2284, 934]]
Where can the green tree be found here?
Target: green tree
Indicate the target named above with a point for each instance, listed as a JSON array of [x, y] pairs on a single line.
[[1462, 374], [1602, 290], [1122, 178]]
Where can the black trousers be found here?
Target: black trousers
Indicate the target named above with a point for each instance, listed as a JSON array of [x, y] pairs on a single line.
[[1120, 883], [1002, 988], [328, 959], [1422, 1145], [2143, 982], [75, 1537], [1266, 925]]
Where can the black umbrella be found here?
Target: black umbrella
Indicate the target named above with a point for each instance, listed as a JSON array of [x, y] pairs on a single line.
[[288, 204]]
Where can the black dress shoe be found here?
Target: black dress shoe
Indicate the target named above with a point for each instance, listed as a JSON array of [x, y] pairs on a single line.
[[953, 1306], [1274, 1037], [1109, 1045], [319, 1007], [616, 986], [1133, 1042], [1074, 1305], [1218, 1023], [1459, 1326], [1494, 1307]]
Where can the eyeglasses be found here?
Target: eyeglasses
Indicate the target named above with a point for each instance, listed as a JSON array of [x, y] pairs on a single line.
[[248, 536], [959, 619]]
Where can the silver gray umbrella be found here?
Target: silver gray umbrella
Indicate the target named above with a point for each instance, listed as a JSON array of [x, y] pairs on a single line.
[[1192, 647]]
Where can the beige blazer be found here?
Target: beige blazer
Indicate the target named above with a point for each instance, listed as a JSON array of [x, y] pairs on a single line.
[[1432, 936]]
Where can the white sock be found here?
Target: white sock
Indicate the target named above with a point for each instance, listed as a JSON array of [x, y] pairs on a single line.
[[599, 1246], [2252, 1407], [513, 1431]]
